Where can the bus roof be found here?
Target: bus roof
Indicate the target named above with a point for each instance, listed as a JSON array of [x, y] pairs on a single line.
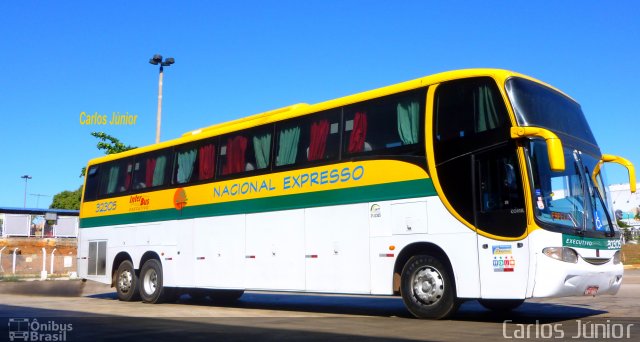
[[301, 109]]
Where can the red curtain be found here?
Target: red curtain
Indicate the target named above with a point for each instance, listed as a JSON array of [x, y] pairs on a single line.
[[207, 161], [236, 148], [359, 133], [148, 172], [318, 143]]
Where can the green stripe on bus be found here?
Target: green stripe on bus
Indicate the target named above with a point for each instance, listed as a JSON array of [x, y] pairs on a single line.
[[371, 193]]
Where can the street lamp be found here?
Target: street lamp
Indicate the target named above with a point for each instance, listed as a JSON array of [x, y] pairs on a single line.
[[26, 178], [155, 60]]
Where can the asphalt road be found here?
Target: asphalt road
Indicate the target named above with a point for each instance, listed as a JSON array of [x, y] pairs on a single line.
[[77, 311]]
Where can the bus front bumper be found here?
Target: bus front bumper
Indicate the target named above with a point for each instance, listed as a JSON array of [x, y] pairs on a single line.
[[555, 278]]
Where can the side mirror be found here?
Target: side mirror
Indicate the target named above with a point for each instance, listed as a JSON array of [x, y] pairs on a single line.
[[554, 145], [609, 158]]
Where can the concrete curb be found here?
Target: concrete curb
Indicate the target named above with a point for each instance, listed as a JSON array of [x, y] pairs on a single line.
[[632, 267]]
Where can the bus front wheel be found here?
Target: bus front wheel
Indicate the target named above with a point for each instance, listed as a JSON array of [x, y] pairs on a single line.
[[152, 289], [427, 288], [126, 282]]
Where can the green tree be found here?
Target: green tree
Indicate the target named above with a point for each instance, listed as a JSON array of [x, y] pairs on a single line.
[[71, 199], [109, 144], [67, 200]]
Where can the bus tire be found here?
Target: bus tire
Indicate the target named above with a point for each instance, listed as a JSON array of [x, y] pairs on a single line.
[[151, 283], [501, 305], [126, 282], [427, 288]]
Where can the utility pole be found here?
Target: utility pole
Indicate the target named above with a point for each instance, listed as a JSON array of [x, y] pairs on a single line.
[[26, 178], [38, 198]]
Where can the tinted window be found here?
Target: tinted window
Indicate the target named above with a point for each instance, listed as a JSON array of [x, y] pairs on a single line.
[[245, 151], [308, 139], [537, 105], [500, 201], [150, 170], [469, 115], [185, 167], [195, 162], [91, 185], [389, 125], [115, 177]]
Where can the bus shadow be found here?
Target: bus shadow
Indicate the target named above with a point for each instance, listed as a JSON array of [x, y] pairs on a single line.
[[470, 311], [61, 325]]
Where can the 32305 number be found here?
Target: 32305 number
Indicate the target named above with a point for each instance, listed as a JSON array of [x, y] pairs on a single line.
[[102, 207]]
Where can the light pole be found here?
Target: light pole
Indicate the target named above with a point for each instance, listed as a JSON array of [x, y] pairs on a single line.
[[155, 60], [38, 198], [26, 178]]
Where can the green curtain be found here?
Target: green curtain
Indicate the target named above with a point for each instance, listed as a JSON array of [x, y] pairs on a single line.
[[487, 115], [186, 161], [158, 172], [262, 148], [114, 172], [409, 121], [288, 146]]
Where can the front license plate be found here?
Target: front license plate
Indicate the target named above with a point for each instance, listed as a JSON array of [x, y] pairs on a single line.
[[591, 291]]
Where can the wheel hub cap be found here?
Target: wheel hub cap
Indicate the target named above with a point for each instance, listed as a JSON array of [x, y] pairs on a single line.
[[124, 281], [428, 285]]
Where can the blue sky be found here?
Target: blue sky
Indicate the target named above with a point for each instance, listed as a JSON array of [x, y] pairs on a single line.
[[236, 58]]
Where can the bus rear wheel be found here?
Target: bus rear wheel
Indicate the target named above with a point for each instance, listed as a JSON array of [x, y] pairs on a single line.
[[152, 289], [126, 282], [427, 288], [501, 305]]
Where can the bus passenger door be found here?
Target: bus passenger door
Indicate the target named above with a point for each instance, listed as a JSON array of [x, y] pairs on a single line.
[[503, 251]]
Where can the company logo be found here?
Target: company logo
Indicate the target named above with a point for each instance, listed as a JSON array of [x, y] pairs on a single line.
[[375, 211], [138, 202], [180, 199], [501, 249], [503, 260], [25, 329]]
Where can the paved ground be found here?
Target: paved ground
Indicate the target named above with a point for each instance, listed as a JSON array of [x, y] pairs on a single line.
[[92, 312]]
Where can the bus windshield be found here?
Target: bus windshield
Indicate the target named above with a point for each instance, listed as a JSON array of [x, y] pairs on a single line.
[[568, 199], [540, 106]]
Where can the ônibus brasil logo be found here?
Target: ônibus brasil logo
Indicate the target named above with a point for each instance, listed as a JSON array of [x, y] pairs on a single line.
[[25, 329]]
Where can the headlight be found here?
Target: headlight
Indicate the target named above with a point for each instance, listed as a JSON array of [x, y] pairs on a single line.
[[617, 258], [561, 253]]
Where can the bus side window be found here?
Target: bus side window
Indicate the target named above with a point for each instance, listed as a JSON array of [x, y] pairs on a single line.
[[387, 125], [245, 151], [150, 170], [91, 186], [116, 178], [324, 136], [185, 165], [308, 139], [469, 117], [288, 146]]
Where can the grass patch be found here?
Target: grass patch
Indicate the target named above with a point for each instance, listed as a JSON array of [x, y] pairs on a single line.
[[630, 254], [11, 278]]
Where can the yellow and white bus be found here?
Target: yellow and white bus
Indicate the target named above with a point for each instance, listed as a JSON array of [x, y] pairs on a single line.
[[471, 184]]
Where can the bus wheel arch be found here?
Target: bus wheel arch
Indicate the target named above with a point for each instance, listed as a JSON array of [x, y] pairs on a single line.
[[418, 248]]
